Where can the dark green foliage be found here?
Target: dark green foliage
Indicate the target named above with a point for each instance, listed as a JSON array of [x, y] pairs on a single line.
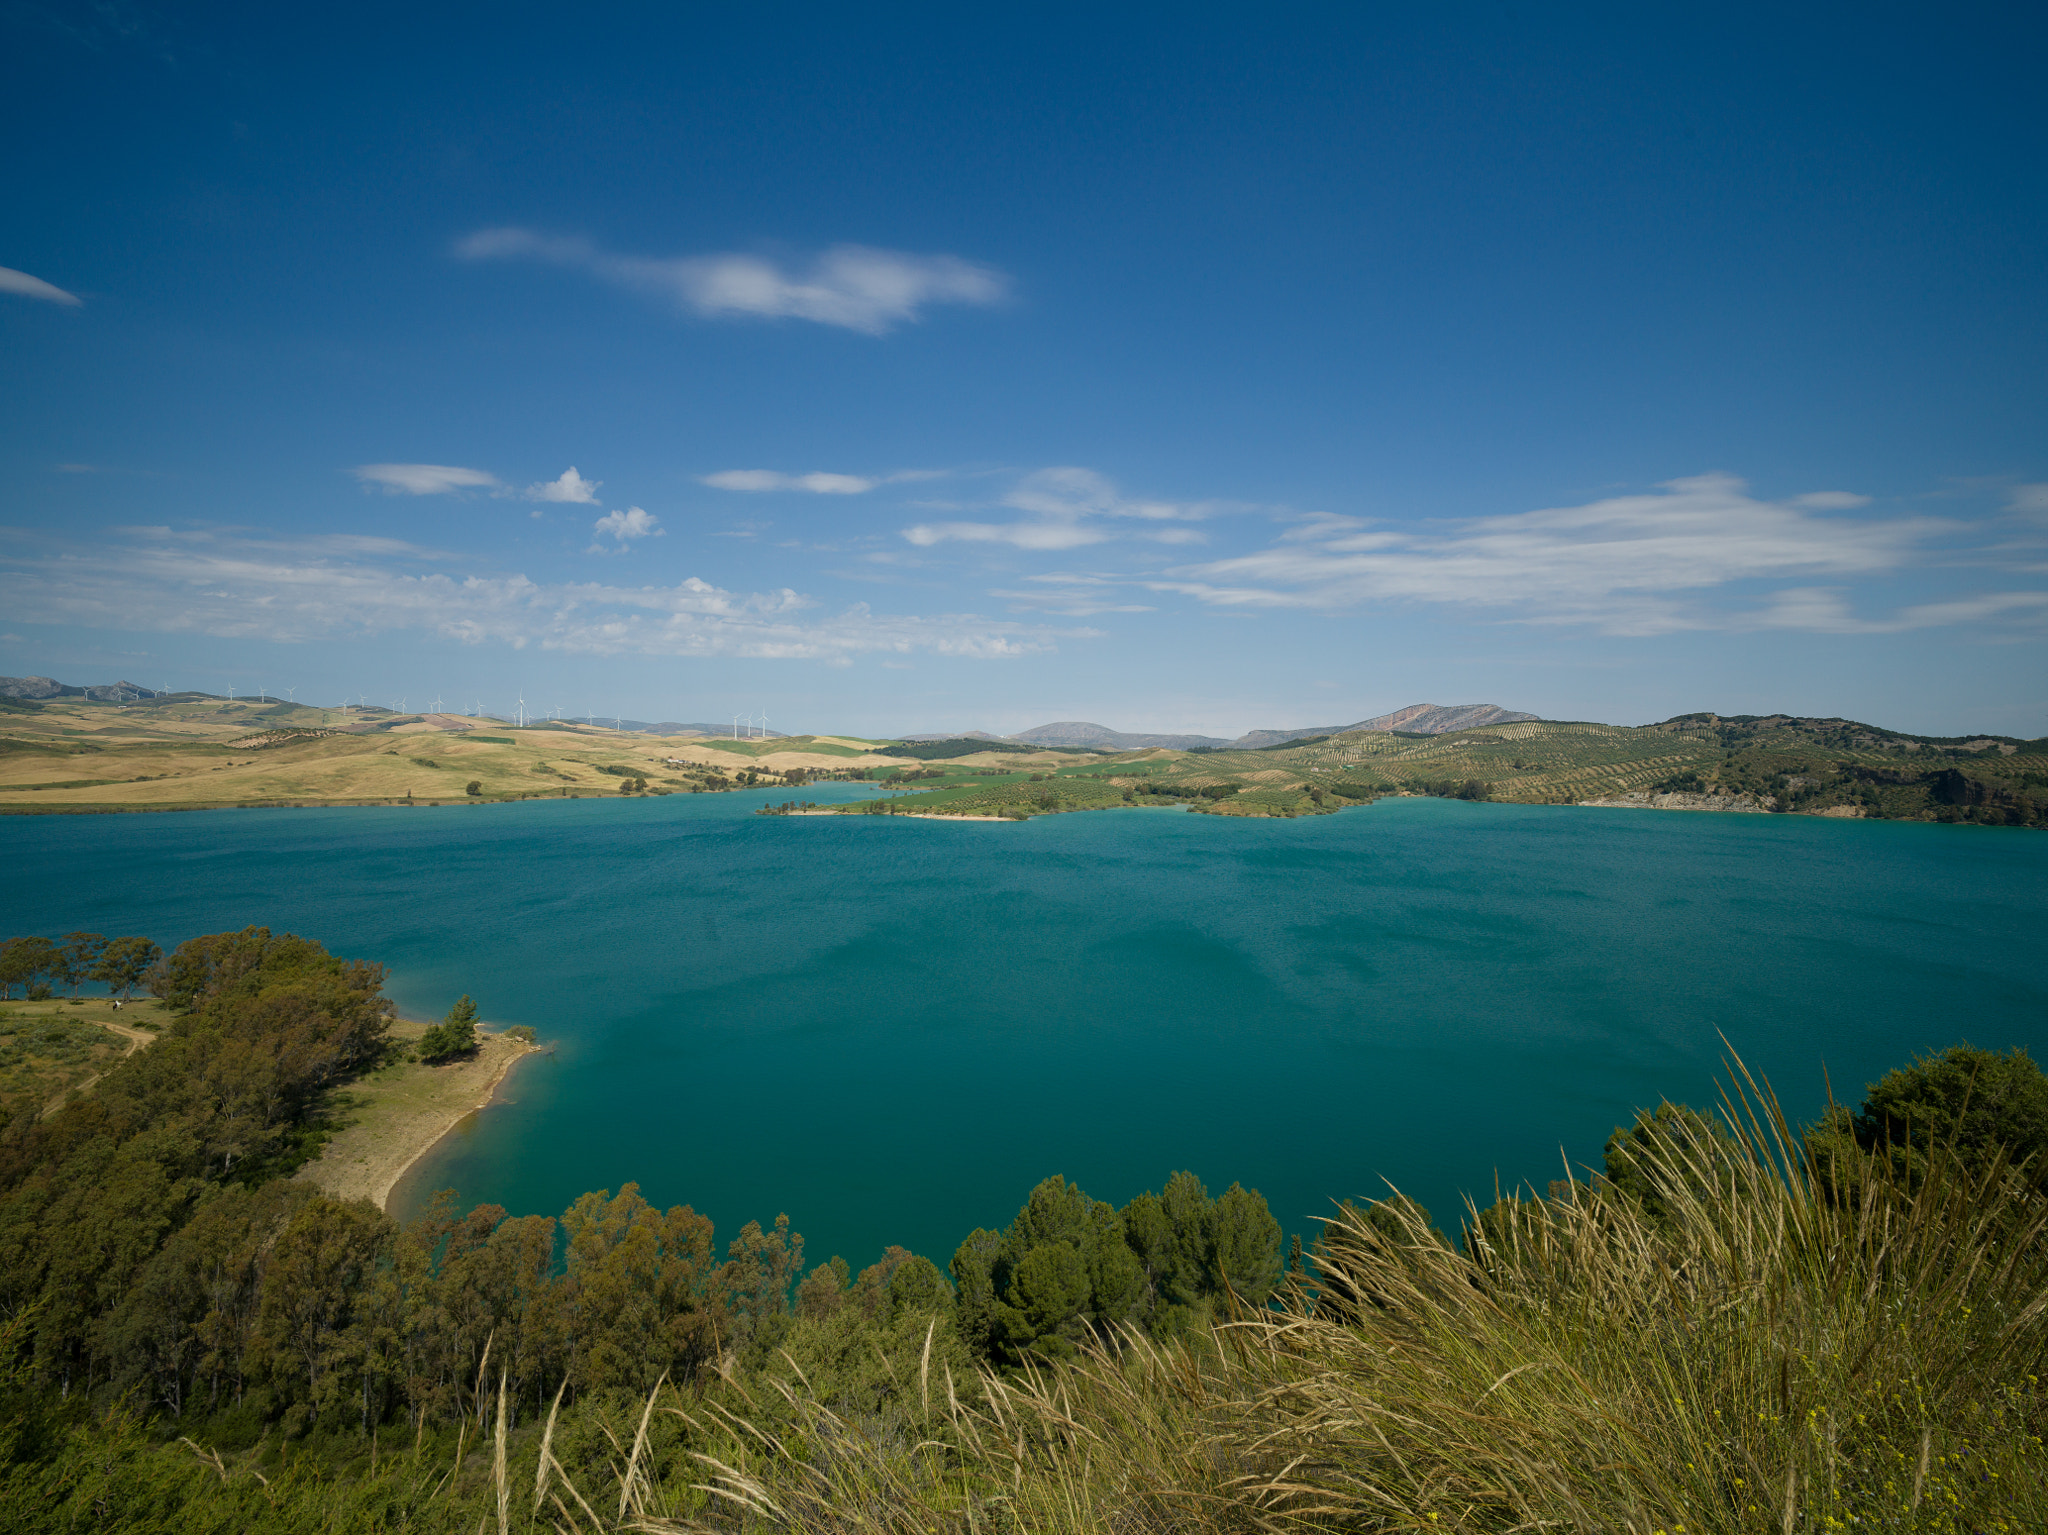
[[1977, 1104], [474, 788], [453, 1036], [1449, 788], [1070, 1268], [1680, 1137]]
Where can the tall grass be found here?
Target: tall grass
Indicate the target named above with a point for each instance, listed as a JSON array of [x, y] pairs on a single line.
[[1767, 1354], [1759, 1349]]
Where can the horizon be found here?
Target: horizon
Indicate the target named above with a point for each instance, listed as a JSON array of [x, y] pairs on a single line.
[[634, 724], [939, 373]]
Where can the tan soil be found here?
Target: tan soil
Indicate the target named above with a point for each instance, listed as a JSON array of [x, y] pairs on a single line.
[[397, 1114]]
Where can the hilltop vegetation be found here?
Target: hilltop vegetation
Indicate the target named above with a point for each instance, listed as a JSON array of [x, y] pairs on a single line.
[[1766, 764], [1730, 1326]]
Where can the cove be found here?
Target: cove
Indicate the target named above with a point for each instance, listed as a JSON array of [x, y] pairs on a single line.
[[891, 1029]]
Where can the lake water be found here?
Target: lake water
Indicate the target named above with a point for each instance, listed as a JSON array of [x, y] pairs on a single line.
[[891, 1029]]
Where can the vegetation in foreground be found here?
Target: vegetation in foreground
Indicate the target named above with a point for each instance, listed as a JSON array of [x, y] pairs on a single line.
[[1732, 1326]]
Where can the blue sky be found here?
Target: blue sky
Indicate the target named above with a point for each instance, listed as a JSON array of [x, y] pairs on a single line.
[[919, 367]]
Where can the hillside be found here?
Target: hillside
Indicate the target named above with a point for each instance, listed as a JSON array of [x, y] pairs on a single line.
[[73, 752], [1756, 764]]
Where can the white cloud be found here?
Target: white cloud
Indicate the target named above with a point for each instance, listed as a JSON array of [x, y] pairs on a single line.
[[2029, 500], [1830, 501], [627, 525], [568, 486], [1069, 506], [852, 286], [12, 281], [770, 479], [423, 479], [1626, 564], [1021, 535], [290, 590]]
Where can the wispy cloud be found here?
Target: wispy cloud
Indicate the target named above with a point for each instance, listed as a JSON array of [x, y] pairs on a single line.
[[423, 479], [568, 486], [1073, 594], [624, 527], [1069, 508], [853, 286], [26, 286], [770, 479], [1631, 565], [242, 586]]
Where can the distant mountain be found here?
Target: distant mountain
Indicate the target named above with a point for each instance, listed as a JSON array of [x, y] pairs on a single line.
[[49, 687], [1081, 733], [954, 735], [1419, 719]]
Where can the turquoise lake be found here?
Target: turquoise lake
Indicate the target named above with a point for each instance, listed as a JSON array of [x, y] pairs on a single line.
[[891, 1029]]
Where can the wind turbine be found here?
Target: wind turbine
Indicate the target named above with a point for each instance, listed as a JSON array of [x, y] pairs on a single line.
[[292, 694], [764, 724], [522, 708]]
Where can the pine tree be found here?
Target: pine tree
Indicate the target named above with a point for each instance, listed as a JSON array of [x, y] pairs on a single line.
[[452, 1036]]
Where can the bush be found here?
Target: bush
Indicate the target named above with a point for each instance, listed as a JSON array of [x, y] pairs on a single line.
[[452, 1036], [474, 787]]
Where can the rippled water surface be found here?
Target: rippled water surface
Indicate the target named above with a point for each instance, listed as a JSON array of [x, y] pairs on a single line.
[[891, 1029]]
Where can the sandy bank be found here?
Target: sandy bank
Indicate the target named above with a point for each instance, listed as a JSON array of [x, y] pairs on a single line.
[[397, 1114], [911, 815]]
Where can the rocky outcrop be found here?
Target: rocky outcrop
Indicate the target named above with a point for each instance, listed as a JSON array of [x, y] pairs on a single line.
[[50, 687]]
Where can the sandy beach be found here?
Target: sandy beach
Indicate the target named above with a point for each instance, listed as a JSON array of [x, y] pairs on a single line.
[[396, 1115]]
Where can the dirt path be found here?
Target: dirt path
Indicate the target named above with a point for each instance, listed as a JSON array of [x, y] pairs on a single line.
[[136, 1038]]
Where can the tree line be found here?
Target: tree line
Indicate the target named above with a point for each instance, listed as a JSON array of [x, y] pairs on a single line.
[[34, 963], [153, 1238]]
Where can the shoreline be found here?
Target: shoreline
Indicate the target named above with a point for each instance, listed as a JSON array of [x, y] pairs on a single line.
[[911, 815], [404, 1111]]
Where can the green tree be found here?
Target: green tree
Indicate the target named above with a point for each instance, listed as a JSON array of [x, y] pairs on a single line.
[[73, 960], [452, 1036], [123, 964], [475, 787], [1974, 1103], [22, 961]]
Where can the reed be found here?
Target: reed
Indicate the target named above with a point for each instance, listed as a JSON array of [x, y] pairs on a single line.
[[1771, 1353]]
